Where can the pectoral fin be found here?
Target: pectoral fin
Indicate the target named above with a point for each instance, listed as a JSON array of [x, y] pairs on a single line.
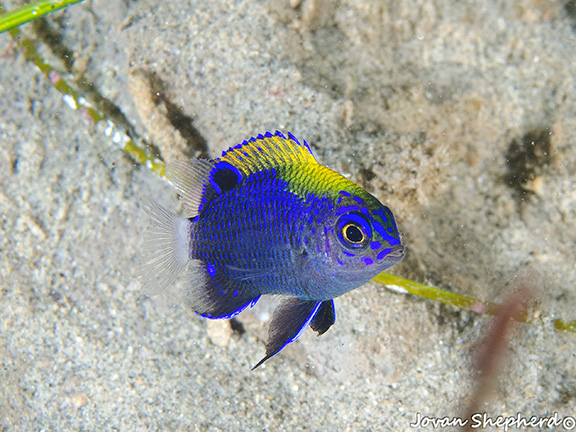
[[289, 320]]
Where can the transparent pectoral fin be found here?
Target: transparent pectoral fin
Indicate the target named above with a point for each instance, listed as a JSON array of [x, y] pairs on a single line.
[[290, 318], [324, 318]]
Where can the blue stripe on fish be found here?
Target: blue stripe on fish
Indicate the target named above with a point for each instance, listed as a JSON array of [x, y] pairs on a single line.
[[375, 245], [347, 209], [367, 260]]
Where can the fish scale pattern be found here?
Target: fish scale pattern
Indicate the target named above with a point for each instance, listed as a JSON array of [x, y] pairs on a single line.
[[255, 235]]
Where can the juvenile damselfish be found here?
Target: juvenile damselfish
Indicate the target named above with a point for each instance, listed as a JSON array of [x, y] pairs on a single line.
[[266, 218]]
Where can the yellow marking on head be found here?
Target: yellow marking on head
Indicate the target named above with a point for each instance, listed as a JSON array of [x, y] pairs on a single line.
[[293, 162]]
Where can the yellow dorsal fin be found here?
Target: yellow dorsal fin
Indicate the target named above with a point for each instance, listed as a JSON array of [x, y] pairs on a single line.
[[267, 151]]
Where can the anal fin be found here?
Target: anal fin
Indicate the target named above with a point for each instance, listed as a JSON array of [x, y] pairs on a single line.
[[212, 294], [289, 320]]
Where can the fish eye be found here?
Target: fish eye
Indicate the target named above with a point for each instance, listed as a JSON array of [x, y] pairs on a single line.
[[353, 231]]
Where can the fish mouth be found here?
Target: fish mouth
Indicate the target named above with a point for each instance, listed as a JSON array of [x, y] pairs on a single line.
[[397, 250], [393, 256]]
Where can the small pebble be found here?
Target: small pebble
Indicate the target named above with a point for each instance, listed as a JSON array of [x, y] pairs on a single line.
[[219, 332]]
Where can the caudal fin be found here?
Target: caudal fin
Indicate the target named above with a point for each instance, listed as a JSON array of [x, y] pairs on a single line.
[[166, 248]]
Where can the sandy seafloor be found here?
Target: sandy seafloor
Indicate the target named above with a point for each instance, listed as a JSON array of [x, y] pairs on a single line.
[[428, 105]]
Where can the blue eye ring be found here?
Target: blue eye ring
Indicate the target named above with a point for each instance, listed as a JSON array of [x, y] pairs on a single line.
[[354, 231]]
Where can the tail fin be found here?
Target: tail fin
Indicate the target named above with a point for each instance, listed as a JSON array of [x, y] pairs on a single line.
[[166, 248]]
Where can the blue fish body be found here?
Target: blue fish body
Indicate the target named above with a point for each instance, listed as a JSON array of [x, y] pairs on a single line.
[[266, 218]]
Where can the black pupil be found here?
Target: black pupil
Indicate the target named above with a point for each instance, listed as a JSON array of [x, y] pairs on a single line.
[[353, 234]]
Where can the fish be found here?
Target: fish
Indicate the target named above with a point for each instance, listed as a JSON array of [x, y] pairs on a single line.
[[266, 218]]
